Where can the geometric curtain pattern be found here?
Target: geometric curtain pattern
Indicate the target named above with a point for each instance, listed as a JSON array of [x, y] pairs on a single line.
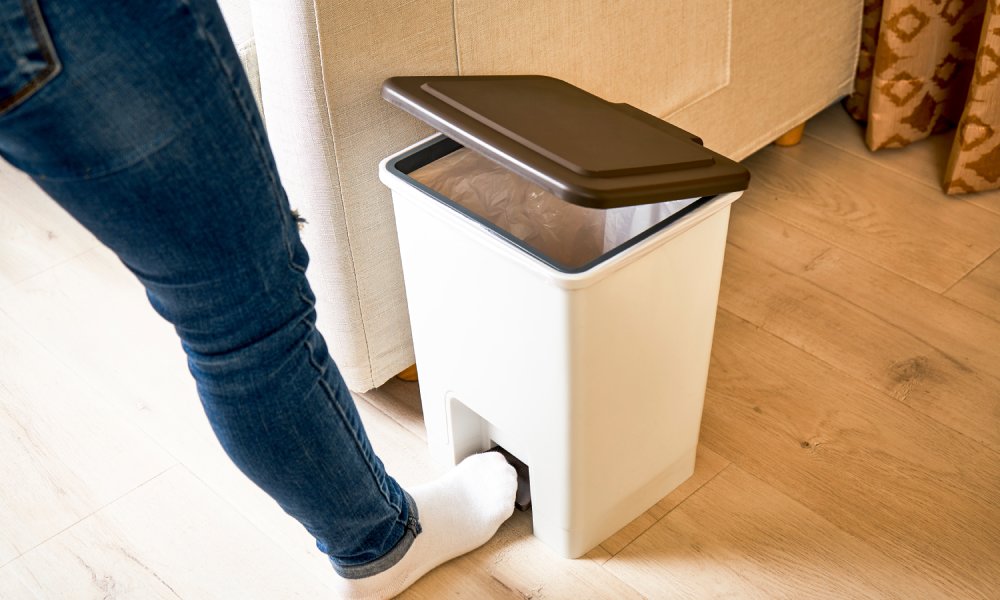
[[929, 65], [857, 102], [974, 163]]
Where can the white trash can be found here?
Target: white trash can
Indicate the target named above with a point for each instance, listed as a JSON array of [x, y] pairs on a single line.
[[575, 337]]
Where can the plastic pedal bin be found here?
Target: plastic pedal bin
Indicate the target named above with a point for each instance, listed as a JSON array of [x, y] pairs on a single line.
[[562, 257]]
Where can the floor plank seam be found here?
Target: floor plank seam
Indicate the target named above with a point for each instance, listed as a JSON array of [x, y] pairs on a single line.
[[880, 392], [873, 158], [969, 272], [994, 318], [838, 295], [392, 418], [798, 160], [664, 515], [834, 292], [835, 244], [89, 515], [81, 379], [58, 263], [51, 267], [251, 522], [735, 463], [862, 258]]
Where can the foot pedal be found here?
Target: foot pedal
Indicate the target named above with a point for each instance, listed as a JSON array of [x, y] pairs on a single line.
[[522, 501]]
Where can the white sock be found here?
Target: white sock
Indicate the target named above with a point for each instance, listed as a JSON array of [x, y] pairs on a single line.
[[458, 512]]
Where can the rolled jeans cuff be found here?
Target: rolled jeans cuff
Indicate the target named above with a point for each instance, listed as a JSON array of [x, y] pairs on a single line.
[[386, 562]]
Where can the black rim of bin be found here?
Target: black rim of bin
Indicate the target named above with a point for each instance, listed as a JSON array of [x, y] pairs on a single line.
[[441, 146]]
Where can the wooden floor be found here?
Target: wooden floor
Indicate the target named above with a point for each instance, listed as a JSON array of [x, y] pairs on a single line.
[[850, 445]]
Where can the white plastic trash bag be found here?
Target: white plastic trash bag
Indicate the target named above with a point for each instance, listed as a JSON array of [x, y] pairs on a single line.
[[568, 234]]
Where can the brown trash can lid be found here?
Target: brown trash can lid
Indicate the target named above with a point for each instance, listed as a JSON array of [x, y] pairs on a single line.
[[584, 149]]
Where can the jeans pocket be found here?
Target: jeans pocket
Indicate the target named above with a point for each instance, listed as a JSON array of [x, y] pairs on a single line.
[[28, 58]]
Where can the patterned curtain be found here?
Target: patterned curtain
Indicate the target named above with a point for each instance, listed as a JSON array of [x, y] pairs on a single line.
[[929, 65]]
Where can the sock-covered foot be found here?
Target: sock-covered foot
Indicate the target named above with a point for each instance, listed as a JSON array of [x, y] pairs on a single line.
[[458, 513]]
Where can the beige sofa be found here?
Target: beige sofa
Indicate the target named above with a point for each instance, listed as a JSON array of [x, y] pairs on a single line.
[[738, 73]]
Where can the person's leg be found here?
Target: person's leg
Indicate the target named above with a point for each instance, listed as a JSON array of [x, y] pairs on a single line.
[[150, 138]]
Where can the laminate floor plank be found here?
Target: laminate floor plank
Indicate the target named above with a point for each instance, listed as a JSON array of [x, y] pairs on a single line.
[[169, 539], [737, 537], [35, 234], [515, 564], [924, 162], [897, 223], [401, 401], [708, 464], [64, 454], [598, 555], [980, 289], [917, 491], [921, 348], [944, 323]]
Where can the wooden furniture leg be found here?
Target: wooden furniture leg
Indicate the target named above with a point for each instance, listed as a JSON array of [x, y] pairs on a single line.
[[792, 137], [408, 374]]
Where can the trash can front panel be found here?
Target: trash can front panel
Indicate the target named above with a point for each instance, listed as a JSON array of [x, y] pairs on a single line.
[[624, 358]]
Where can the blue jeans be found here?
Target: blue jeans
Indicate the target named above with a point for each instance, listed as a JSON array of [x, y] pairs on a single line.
[[136, 117]]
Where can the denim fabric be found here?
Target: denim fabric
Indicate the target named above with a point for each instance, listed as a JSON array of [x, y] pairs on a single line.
[[150, 138], [390, 558], [32, 61]]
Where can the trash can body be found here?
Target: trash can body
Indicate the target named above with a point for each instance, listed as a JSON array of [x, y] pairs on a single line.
[[594, 378]]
